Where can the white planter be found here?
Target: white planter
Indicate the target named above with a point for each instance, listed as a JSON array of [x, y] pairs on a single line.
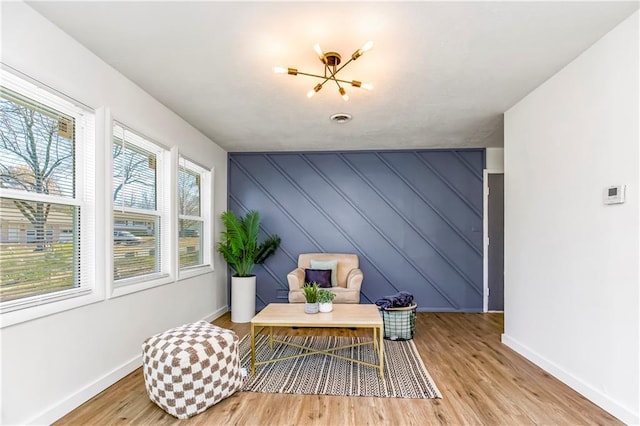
[[243, 298], [326, 307]]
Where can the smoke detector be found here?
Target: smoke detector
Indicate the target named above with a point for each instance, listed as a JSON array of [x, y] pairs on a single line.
[[341, 117]]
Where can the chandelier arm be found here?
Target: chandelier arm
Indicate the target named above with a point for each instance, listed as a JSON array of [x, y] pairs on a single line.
[[337, 82], [343, 65], [323, 78], [333, 72], [342, 81], [332, 76], [314, 75]]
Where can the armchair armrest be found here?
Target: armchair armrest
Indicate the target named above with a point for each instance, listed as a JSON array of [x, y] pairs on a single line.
[[354, 279], [296, 279]]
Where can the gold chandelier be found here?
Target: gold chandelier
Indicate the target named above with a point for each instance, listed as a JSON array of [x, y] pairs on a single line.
[[331, 60]]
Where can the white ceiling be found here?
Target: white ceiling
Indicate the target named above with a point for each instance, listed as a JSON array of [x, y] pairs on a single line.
[[443, 72]]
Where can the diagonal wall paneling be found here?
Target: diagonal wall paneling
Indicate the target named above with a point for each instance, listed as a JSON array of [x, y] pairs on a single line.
[[413, 217]]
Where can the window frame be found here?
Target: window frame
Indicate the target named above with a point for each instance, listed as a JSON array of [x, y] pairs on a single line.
[[87, 120], [93, 167], [164, 211], [206, 216]]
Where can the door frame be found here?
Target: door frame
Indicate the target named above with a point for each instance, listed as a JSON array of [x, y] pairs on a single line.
[[485, 235]]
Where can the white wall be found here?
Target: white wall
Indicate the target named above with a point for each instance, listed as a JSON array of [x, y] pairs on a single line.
[[494, 159], [571, 262], [52, 364]]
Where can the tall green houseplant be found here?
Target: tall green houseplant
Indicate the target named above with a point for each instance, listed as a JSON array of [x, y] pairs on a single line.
[[239, 245]]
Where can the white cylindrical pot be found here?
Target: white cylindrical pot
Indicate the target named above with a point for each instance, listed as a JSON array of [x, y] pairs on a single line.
[[243, 298], [325, 307]]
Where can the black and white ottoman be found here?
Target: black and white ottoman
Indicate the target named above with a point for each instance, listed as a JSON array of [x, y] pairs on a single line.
[[192, 367]]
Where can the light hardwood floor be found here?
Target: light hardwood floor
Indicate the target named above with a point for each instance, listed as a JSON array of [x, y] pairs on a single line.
[[482, 382]]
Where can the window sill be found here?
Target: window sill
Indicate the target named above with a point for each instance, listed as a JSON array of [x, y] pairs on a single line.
[[124, 287], [194, 271], [29, 313]]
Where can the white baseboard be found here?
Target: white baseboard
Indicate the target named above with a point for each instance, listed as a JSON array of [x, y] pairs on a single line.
[[73, 401], [597, 397], [84, 394], [216, 314]]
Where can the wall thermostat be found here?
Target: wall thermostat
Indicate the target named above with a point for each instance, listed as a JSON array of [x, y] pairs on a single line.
[[615, 194]]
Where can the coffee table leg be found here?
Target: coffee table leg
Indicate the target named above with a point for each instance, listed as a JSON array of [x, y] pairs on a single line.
[[376, 340], [381, 352], [253, 350], [270, 337]]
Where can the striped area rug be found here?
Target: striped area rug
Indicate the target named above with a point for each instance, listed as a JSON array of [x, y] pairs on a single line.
[[405, 376]]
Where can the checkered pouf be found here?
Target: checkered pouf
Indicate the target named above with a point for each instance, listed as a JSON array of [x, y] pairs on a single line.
[[189, 368]]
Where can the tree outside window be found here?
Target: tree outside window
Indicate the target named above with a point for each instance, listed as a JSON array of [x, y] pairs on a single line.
[[38, 204]]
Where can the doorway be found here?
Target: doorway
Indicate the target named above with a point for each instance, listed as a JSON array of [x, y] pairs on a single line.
[[494, 241]]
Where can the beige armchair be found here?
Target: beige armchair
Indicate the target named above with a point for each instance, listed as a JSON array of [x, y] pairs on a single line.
[[349, 277]]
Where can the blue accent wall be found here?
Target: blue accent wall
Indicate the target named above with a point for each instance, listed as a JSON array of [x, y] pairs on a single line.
[[413, 217]]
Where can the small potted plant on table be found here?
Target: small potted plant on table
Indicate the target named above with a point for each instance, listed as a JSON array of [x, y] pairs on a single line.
[[310, 291], [325, 300]]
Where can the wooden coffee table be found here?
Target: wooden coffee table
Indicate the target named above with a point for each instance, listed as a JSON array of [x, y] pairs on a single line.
[[342, 316]]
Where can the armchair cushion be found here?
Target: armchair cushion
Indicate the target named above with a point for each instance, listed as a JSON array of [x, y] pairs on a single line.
[[327, 264], [320, 276]]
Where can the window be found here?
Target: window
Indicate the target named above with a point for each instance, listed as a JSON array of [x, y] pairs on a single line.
[[139, 216], [46, 158], [193, 214]]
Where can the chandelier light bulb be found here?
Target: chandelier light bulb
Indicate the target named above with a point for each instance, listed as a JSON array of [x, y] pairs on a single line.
[[313, 91], [367, 86], [344, 94], [279, 70], [367, 46]]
